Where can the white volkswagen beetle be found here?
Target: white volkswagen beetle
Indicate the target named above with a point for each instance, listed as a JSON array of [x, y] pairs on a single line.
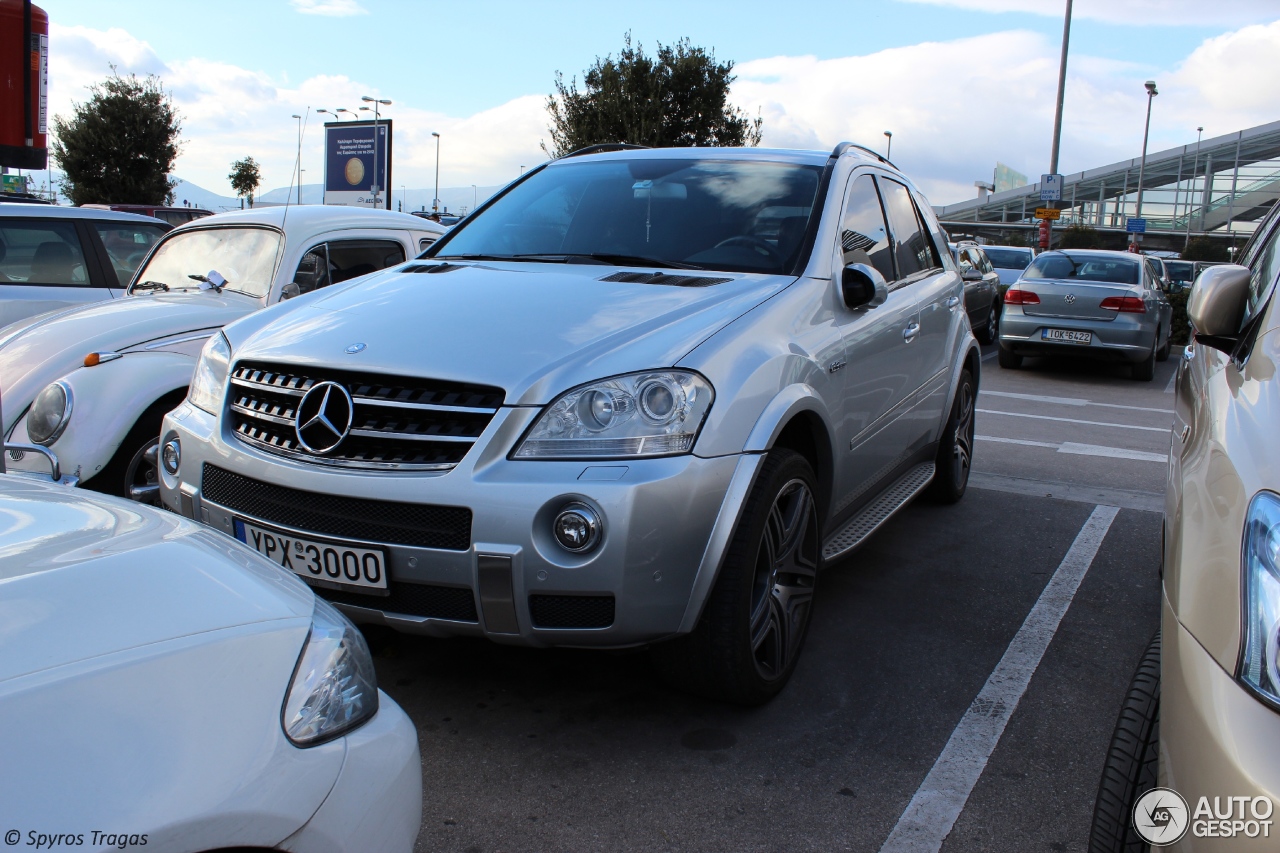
[[90, 384], [163, 686]]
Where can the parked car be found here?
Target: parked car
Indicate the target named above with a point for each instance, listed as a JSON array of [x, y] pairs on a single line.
[[163, 687], [981, 290], [1181, 273], [91, 384], [1158, 265], [1088, 303], [175, 216], [1202, 717], [59, 257], [641, 396], [1009, 262]]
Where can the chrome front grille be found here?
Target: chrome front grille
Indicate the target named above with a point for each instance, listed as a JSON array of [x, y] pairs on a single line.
[[396, 422]]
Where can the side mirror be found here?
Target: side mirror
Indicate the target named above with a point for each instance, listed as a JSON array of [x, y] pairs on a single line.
[[971, 275], [862, 286], [289, 291], [1217, 305]]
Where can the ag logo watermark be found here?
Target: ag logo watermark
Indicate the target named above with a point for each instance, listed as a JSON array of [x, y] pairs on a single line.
[[1161, 817]]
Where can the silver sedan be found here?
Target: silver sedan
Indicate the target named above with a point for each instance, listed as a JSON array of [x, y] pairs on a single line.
[[1088, 304]]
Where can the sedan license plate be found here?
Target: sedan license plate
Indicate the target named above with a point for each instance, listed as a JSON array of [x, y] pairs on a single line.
[[316, 560], [1066, 335]]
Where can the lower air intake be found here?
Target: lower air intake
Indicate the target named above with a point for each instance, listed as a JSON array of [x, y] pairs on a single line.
[[571, 611]]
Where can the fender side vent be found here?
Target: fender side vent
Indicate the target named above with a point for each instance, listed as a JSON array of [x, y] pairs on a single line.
[[665, 278]]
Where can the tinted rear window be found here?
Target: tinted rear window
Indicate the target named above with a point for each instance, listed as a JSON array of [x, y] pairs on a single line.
[[1009, 259], [1061, 265]]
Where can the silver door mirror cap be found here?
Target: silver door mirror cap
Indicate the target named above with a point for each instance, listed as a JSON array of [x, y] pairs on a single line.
[[1218, 299], [862, 286]]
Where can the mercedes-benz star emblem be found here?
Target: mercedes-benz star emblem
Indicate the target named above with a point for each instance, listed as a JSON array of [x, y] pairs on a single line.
[[355, 348], [1070, 297], [324, 417]]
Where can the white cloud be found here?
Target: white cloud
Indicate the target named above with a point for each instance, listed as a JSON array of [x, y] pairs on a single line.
[[330, 8], [1139, 12]]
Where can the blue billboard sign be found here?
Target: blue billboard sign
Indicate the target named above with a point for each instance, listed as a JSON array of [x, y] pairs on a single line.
[[353, 166]]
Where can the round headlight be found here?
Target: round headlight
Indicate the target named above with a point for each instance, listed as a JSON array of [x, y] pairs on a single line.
[[657, 401], [595, 409], [577, 528], [49, 414], [171, 455]]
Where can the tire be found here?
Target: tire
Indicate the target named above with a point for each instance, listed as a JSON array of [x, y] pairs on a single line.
[[1162, 354], [130, 466], [989, 331], [1145, 370], [955, 447], [753, 626], [1007, 358], [1130, 769]]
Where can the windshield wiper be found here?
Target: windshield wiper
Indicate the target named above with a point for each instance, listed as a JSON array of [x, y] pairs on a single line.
[[149, 285]]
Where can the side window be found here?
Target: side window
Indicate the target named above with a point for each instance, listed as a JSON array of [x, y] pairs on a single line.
[[126, 244], [1264, 265], [863, 236], [986, 262], [425, 243], [963, 260], [46, 252], [351, 258], [912, 247], [313, 270]]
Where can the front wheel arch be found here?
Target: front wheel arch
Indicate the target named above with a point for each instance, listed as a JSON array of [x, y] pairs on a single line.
[[110, 479]]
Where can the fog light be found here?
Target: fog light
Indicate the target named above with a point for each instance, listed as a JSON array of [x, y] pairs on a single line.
[[171, 455], [577, 528]]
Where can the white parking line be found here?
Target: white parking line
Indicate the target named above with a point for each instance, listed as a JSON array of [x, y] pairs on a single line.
[[933, 811], [1082, 449], [1071, 420], [1071, 401], [989, 356]]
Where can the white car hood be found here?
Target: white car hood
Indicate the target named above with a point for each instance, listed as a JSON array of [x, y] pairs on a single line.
[[39, 350], [83, 575], [533, 330]]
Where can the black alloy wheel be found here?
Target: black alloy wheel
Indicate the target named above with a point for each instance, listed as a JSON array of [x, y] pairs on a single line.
[[785, 574], [142, 474], [955, 447], [991, 329]]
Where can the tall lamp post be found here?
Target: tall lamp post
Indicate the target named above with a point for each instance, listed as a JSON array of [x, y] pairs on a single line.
[[334, 113], [888, 153], [475, 194], [435, 198], [1191, 195], [376, 140], [297, 166], [1142, 165]]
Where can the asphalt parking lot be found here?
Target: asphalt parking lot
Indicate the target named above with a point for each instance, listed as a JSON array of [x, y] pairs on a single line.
[[940, 703]]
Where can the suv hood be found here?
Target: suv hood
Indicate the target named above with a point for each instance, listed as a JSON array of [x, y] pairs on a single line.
[[41, 349], [82, 575], [533, 330]]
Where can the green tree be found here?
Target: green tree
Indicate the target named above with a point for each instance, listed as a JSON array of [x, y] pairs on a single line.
[[1205, 249], [119, 147], [1080, 237], [677, 98], [245, 177]]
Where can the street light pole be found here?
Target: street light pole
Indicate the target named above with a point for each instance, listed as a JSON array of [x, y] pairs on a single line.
[[1142, 165], [888, 149], [1047, 235], [1191, 195], [376, 102], [475, 194], [435, 200]]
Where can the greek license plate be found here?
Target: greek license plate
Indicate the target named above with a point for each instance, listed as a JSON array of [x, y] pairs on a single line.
[[1068, 335], [326, 563]]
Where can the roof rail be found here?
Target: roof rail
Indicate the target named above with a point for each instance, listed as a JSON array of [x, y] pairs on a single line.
[[845, 146], [601, 148]]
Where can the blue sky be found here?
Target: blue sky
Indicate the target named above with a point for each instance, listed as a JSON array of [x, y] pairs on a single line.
[[961, 82]]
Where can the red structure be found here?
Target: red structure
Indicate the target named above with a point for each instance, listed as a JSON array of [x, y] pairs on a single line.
[[24, 85]]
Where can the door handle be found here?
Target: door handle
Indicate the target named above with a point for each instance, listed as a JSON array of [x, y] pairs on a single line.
[[910, 332], [953, 301]]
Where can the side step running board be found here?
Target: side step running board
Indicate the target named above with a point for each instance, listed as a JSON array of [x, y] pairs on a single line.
[[868, 521]]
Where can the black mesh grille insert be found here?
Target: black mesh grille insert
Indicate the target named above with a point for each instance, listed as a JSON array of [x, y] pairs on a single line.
[[412, 599], [417, 525], [571, 611], [665, 278]]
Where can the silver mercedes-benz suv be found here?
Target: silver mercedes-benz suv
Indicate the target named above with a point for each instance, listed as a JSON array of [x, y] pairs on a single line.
[[637, 398]]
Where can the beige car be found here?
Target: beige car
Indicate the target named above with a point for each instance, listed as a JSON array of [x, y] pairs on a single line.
[[1194, 763]]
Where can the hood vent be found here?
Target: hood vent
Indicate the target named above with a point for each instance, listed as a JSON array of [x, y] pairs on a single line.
[[665, 278], [434, 268]]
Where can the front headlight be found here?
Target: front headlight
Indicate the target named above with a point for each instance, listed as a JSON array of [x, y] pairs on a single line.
[[1258, 665], [657, 413], [49, 414], [211, 375], [334, 689]]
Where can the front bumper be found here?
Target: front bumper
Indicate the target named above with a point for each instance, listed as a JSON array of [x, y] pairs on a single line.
[[1129, 337], [666, 524], [376, 803], [1216, 741]]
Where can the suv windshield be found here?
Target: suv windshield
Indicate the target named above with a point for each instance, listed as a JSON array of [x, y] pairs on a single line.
[[245, 257], [1062, 265], [1008, 259], [735, 215]]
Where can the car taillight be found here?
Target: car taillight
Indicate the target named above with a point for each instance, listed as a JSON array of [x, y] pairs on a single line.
[[1016, 296], [1125, 304]]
